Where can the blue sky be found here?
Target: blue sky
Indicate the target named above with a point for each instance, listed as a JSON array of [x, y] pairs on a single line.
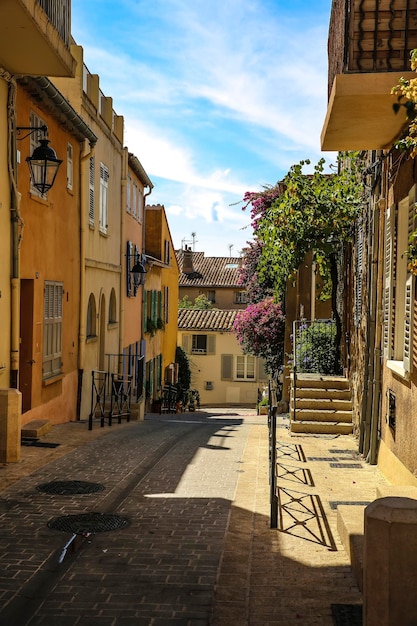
[[219, 97]]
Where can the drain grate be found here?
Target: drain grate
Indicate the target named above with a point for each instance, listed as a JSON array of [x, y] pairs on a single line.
[[347, 614], [35, 443], [88, 523], [70, 487]]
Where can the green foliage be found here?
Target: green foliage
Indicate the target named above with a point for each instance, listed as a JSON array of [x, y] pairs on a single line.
[[312, 213], [316, 348], [151, 326], [200, 303]]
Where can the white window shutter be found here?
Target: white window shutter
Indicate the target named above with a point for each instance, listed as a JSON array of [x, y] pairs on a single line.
[[408, 323], [388, 282]]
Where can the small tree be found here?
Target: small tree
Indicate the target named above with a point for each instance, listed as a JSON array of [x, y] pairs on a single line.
[[201, 303], [184, 374], [260, 331]]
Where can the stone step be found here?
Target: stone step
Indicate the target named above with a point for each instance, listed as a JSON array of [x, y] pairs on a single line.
[[317, 381], [350, 526], [35, 429], [321, 428], [396, 491], [322, 404], [323, 394], [329, 415]]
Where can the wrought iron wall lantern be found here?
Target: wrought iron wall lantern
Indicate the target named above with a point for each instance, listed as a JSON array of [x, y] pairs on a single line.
[[136, 272], [43, 164]]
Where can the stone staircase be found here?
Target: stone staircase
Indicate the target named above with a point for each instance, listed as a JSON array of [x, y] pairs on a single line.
[[323, 405]]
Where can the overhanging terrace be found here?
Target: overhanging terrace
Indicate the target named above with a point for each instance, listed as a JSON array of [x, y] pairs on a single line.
[[360, 114]]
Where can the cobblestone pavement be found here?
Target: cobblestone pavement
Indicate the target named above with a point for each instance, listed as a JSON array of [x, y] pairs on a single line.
[[198, 548]]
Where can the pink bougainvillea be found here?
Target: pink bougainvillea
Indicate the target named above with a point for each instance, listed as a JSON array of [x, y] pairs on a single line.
[[260, 331]]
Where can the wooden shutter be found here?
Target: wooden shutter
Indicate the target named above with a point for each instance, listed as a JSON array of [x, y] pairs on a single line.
[[227, 367], [388, 282], [408, 323], [187, 343], [145, 310], [91, 192], [262, 375], [211, 344], [409, 290]]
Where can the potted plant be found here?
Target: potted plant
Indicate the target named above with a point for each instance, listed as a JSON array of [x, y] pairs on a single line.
[[263, 406]]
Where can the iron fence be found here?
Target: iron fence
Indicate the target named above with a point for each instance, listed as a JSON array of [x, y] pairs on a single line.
[[114, 389]]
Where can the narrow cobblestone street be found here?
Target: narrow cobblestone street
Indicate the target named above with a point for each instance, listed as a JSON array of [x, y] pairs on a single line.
[[198, 547]]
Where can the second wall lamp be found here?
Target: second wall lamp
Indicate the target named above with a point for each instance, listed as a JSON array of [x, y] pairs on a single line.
[[43, 163]]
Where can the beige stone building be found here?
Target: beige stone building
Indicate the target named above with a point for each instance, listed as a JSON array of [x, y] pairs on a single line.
[[217, 278], [221, 373]]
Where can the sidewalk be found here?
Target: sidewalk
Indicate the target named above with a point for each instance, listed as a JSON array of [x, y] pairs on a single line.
[[286, 577]]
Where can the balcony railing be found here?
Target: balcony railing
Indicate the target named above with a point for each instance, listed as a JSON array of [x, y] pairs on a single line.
[[371, 36], [59, 14]]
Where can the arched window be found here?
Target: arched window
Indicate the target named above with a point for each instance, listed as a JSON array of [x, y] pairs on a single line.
[[91, 317], [112, 308]]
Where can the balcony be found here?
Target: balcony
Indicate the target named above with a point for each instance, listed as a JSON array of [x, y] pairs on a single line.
[[369, 49], [35, 37]]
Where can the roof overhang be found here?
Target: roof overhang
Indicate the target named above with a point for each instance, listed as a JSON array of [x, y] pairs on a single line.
[[29, 44], [360, 114]]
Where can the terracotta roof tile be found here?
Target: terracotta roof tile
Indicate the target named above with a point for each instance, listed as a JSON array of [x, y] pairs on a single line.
[[206, 319], [209, 271]]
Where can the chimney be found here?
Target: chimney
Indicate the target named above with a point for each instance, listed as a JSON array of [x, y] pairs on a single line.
[[187, 261]]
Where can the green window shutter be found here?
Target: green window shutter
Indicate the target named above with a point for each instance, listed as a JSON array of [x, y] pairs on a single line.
[[211, 344], [227, 367], [144, 311]]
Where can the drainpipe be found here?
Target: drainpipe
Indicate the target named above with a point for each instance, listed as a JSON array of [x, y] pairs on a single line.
[[82, 323], [123, 276], [16, 233], [377, 383]]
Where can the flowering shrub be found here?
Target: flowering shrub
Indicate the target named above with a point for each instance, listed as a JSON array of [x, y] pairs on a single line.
[[260, 330], [406, 90]]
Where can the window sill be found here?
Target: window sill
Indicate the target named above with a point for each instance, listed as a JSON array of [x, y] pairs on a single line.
[[40, 199], [397, 367], [112, 325], [91, 339], [54, 379], [104, 233]]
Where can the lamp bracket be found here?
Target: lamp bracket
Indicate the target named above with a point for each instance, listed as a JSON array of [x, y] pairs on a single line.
[[31, 129]]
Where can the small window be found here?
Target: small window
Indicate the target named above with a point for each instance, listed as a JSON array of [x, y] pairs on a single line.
[[134, 199], [91, 317], [112, 308], [70, 167], [241, 297], [202, 344], [245, 367], [34, 139], [104, 189], [211, 296]]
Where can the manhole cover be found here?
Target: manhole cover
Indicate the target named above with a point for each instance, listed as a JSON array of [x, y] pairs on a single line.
[[70, 487], [88, 523], [347, 614]]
